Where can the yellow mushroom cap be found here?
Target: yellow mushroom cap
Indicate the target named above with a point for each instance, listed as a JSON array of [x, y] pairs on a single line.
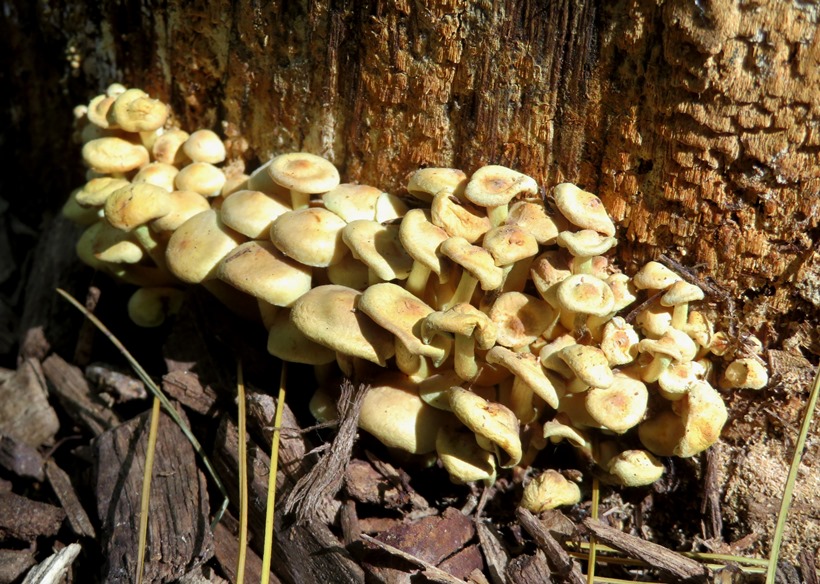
[[352, 202], [585, 294], [201, 177], [329, 316], [458, 218], [519, 318], [95, 192], [463, 459], [204, 146], [745, 373], [198, 245], [619, 342], [635, 468], [310, 236], [379, 247], [620, 406], [494, 186], [509, 244], [583, 209], [184, 205], [111, 155], [475, 260], [493, 422], [158, 174], [549, 490], [135, 205], [304, 174], [421, 239], [589, 364], [533, 218], [528, 368], [150, 306], [288, 343], [251, 213], [134, 111], [426, 183], [167, 147], [654, 276], [703, 414], [585, 243]]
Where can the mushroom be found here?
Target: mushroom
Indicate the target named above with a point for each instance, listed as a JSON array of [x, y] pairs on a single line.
[[184, 205], [583, 209], [679, 295], [635, 468], [287, 342], [495, 186], [461, 456], [378, 247], [512, 249], [202, 178], [167, 148], [135, 111], [251, 213], [654, 276], [478, 267], [589, 366], [310, 236], [352, 202], [157, 173], [95, 192], [580, 295], [674, 345], [746, 373], [304, 174], [198, 245], [136, 204], [112, 155], [421, 240], [619, 342], [520, 319], [549, 490], [528, 368], [532, 217], [585, 245], [426, 183], [115, 246], [471, 328], [458, 218], [149, 307], [561, 428], [620, 406], [329, 316], [204, 146], [496, 427], [674, 381]]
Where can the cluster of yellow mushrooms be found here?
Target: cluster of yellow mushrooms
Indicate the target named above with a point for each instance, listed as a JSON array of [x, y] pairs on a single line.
[[487, 323]]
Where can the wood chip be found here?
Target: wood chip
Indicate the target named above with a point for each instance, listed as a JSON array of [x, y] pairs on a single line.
[[83, 405], [26, 414], [565, 567], [179, 532], [124, 387], [21, 459], [226, 550], [674, 565], [55, 568], [432, 539], [494, 551], [187, 389], [62, 487], [464, 563], [428, 570], [25, 519], [529, 569], [14, 563]]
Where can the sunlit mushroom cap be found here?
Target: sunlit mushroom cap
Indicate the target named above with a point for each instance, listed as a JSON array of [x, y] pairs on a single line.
[[635, 468], [654, 320], [673, 343], [494, 186], [135, 111], [204, 146], [310, 236], [493, 422], [586, 243], [561, 428], [111, 155], [674, 381], [201, 177], [549, 490], [528, 368], [620, 406], [463, 319], [426, 183], [135, 205], [547, 271], [589, 364], [158, 174], [259, 269], [654, 276], [97, 111], [681, 293], [400, 312], [378, 246], [421, 239], [116, 246], [167, 147], [519, 318], [462, 457], [393, 412], [533, 218], [509, 244], [475, 260], [349, 272], [585, 294], [304, 172], [184, 205], [251, 213], [95, 192], [352, 202], [745, 373], [703, 414], [288, 343], [583, 208], [459, 218], [549, 355], [328, 315], [619, 342], [198, 245]]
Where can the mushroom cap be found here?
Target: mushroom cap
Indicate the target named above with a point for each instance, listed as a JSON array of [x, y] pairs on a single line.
[[97, 111], [509, 244], [329, 316], [134, 111], [401, 313], [202, 178], [494, 186], [547, 271], [745, 373], [261, 180], [589, 364], [459, 218], [184, 205], [654, 320], [462, 319], [378, 246], [673, 343], [167, 147], [586, 243], [583, 209], [619, 342], [674, 381], [462, 457], [157, 173], [259, 269], [635, 468], [492, 421], [561, 428], [304, 172], [288, 343], [426, 183], [528, 368], [148, 307], [111, 155], [135, 205], [585, 294], [475, 260], [95, 192], [549, 490], [116, 246], [532, 217], [620, 406], [681, 293], [654, 276], [311, 236], [421, 240], [204, 146], [198, 245], [661, 433], [352, 202], [519, 319], [703, 414], [251, 213], [349, 272], [550, 359]]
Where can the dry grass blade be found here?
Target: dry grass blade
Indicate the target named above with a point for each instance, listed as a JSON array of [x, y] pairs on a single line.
[[274, 464], [145, 499], [593, 548], [789, 488], [149, 383], [243, 477]]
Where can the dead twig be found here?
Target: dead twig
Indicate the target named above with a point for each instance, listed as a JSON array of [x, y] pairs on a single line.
[[565, 567]]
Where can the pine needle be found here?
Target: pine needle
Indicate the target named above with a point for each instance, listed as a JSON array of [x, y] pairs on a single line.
[[149, 383], [274, 463], [145, 500], [243, 477], [593, 549], [789, 489]]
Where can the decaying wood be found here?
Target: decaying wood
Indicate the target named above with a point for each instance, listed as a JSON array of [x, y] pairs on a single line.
[[674, 565], [529, 569], [226, 550], [80, 402], [24, 519], [429, 570], [14, 563], [564, 566], [122, 386], [54, 568], [75, 513], [495, 553], [179, 534], [20, 458], [26, 414]]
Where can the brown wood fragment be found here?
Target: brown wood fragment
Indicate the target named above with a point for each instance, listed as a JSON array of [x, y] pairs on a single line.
[[20, 458], [401, 480], [432, 539], [429, 570], [710, 504], [303, 554], [349, 522], [62, 487], [366, 485], [83, 405], [226, 550], [56, 567], [179, 533], [528, 569], [25, 519], [122, 386], [13, 563], [565, 567], [495, 553], [464, 563], [477, 577], [26, 414], [672, 564], [807, 567], [186, 388]]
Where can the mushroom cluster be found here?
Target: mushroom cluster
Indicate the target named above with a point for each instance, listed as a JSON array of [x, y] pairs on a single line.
[[487, 322]]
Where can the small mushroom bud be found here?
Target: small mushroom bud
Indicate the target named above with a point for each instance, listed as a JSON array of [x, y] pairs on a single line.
[[745, 373], [635, 468], [549, 490], [150, 307]]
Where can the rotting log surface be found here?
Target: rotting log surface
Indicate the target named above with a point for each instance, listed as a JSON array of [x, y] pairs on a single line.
[[695, 122]]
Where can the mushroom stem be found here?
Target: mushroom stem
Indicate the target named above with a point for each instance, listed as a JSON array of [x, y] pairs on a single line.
[[153, 248], [464, 293], [680, 316], [582, 264], [417, 280], [516, 275], [299, 200], [657, 366], [465, 363], [498, 214]]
